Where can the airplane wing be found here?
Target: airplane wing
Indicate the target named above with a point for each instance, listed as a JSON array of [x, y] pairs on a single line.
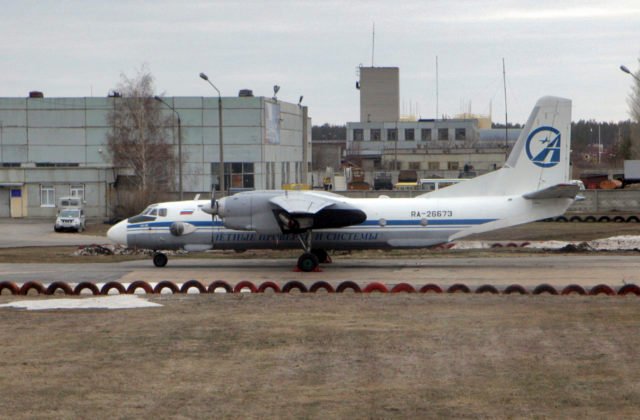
[[301, 203], [287, 211], [556, 191]]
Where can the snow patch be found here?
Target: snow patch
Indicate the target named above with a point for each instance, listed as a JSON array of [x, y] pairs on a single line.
[[102, 302]]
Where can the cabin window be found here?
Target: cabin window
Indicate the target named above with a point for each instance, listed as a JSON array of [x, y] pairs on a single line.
[[162, 212]]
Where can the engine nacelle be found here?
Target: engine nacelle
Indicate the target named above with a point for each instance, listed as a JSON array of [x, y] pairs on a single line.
[[181, 228], [249, 211]]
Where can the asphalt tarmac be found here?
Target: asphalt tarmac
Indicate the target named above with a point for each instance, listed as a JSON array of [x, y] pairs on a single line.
[[530, 271]]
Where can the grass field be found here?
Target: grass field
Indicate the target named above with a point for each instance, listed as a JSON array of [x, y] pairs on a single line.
[[326, 356]]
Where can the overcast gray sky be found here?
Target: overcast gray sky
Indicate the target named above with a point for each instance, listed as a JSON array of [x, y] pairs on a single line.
[[313, 48]]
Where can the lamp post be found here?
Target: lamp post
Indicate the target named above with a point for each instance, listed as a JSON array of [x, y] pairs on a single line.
[[221, 168], [626, 70], [159, 99]]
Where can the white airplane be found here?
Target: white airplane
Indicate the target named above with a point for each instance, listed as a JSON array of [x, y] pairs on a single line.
[[534, 184]]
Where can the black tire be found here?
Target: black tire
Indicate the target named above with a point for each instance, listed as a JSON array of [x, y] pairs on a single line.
[[308, 262], [160, 259]]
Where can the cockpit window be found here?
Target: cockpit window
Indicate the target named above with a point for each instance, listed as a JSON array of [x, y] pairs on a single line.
[[153, 212], [162, 212]]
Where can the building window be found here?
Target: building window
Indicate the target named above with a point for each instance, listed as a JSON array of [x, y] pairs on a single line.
[[434, 166], [443, 134], [358, 134], [414, 166], [376, 134], [461, 133], [77, 191], [47, 196], [392, 134], [236, 175], [409, 134], [453, 166], [425, 134]]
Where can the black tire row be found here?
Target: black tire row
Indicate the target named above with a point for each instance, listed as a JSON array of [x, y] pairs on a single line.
[[599, 219], [24, 289]]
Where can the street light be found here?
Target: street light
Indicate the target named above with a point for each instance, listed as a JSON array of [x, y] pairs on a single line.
[[626, 70], [159, 99], [221, 168]]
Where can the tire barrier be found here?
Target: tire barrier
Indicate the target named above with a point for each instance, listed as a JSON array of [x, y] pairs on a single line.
[[294, 284], [139, 285], [165, 284], [193, 283], [458, 287], [60, 287], [487, 288], [431, 288], [403, 287], [269, 285], [515, 288], [10, 286], [573, 288], [86, 285], [348, 285], [321, 285], [376, 287], [545, 288]]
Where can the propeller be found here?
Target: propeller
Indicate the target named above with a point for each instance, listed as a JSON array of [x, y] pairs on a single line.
[[214, 205]]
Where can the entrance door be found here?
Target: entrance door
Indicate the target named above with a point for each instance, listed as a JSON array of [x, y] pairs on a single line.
[[5, 202]]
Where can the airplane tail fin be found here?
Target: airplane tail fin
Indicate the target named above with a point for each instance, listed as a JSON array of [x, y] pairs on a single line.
[[539, 159]]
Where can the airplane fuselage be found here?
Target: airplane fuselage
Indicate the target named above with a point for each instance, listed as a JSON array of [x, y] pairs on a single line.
[[390, 223]]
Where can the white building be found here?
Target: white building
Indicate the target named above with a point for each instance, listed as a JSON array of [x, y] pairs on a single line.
[[54, 147]]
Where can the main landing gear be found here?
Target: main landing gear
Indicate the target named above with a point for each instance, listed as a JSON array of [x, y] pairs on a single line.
[[160, 259], [311, 258]]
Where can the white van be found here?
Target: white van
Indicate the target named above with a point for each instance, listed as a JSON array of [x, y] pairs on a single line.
[[70, 215]]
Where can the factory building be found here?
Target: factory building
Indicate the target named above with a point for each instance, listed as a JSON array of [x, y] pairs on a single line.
[[441, 147], [56, 147]]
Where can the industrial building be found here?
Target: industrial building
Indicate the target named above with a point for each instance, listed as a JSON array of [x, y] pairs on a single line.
[[440, 147], [55, 147]]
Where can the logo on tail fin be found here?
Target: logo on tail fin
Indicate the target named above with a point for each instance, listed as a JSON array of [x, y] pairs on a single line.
[[543, 147]]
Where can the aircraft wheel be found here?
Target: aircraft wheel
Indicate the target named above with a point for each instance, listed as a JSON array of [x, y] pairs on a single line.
[[307, 262], [160, 259]]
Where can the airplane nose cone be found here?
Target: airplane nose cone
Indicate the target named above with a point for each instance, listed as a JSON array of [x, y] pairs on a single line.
[[118, 233]]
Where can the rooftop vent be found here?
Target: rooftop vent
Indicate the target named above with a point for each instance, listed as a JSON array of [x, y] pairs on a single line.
[[245, 93], [36, 94]]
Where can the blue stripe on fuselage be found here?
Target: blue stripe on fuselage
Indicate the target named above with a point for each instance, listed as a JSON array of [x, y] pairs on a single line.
[[397, 223]]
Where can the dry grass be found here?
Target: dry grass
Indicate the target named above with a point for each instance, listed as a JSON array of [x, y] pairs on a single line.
[[326, 356]]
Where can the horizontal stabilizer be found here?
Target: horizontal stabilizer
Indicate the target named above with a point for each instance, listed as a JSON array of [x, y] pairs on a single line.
[[557, 191]]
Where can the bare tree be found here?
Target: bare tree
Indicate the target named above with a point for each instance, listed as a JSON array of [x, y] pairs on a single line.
[[138, 144]]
